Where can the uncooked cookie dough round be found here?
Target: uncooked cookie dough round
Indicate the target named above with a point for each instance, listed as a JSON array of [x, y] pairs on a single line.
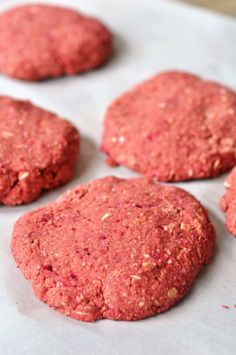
[[122, 249], [38, 151], [42, 41], [173, 127]]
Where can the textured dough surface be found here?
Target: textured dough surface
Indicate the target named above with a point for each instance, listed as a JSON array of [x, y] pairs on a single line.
[[114, 248], [173, 127], [41, 41], [228, 202], [38, 151]]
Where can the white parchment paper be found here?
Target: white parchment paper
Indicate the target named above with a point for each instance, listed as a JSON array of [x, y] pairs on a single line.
[[151, 35]]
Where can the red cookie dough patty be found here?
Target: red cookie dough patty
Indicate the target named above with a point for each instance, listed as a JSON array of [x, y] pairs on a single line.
[[38, 151], [114, 248], [173, 127], [41, 41], [228, 202]]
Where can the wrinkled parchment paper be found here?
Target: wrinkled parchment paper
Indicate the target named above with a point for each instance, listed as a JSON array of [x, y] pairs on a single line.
[[150, 36]]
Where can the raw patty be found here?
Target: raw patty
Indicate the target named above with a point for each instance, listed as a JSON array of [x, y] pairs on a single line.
[[228, 202], [41, 41], [173, 127], [38, 151], [114, 248]]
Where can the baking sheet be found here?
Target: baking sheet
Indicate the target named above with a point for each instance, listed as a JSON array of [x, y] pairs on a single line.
[[151, 36]]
